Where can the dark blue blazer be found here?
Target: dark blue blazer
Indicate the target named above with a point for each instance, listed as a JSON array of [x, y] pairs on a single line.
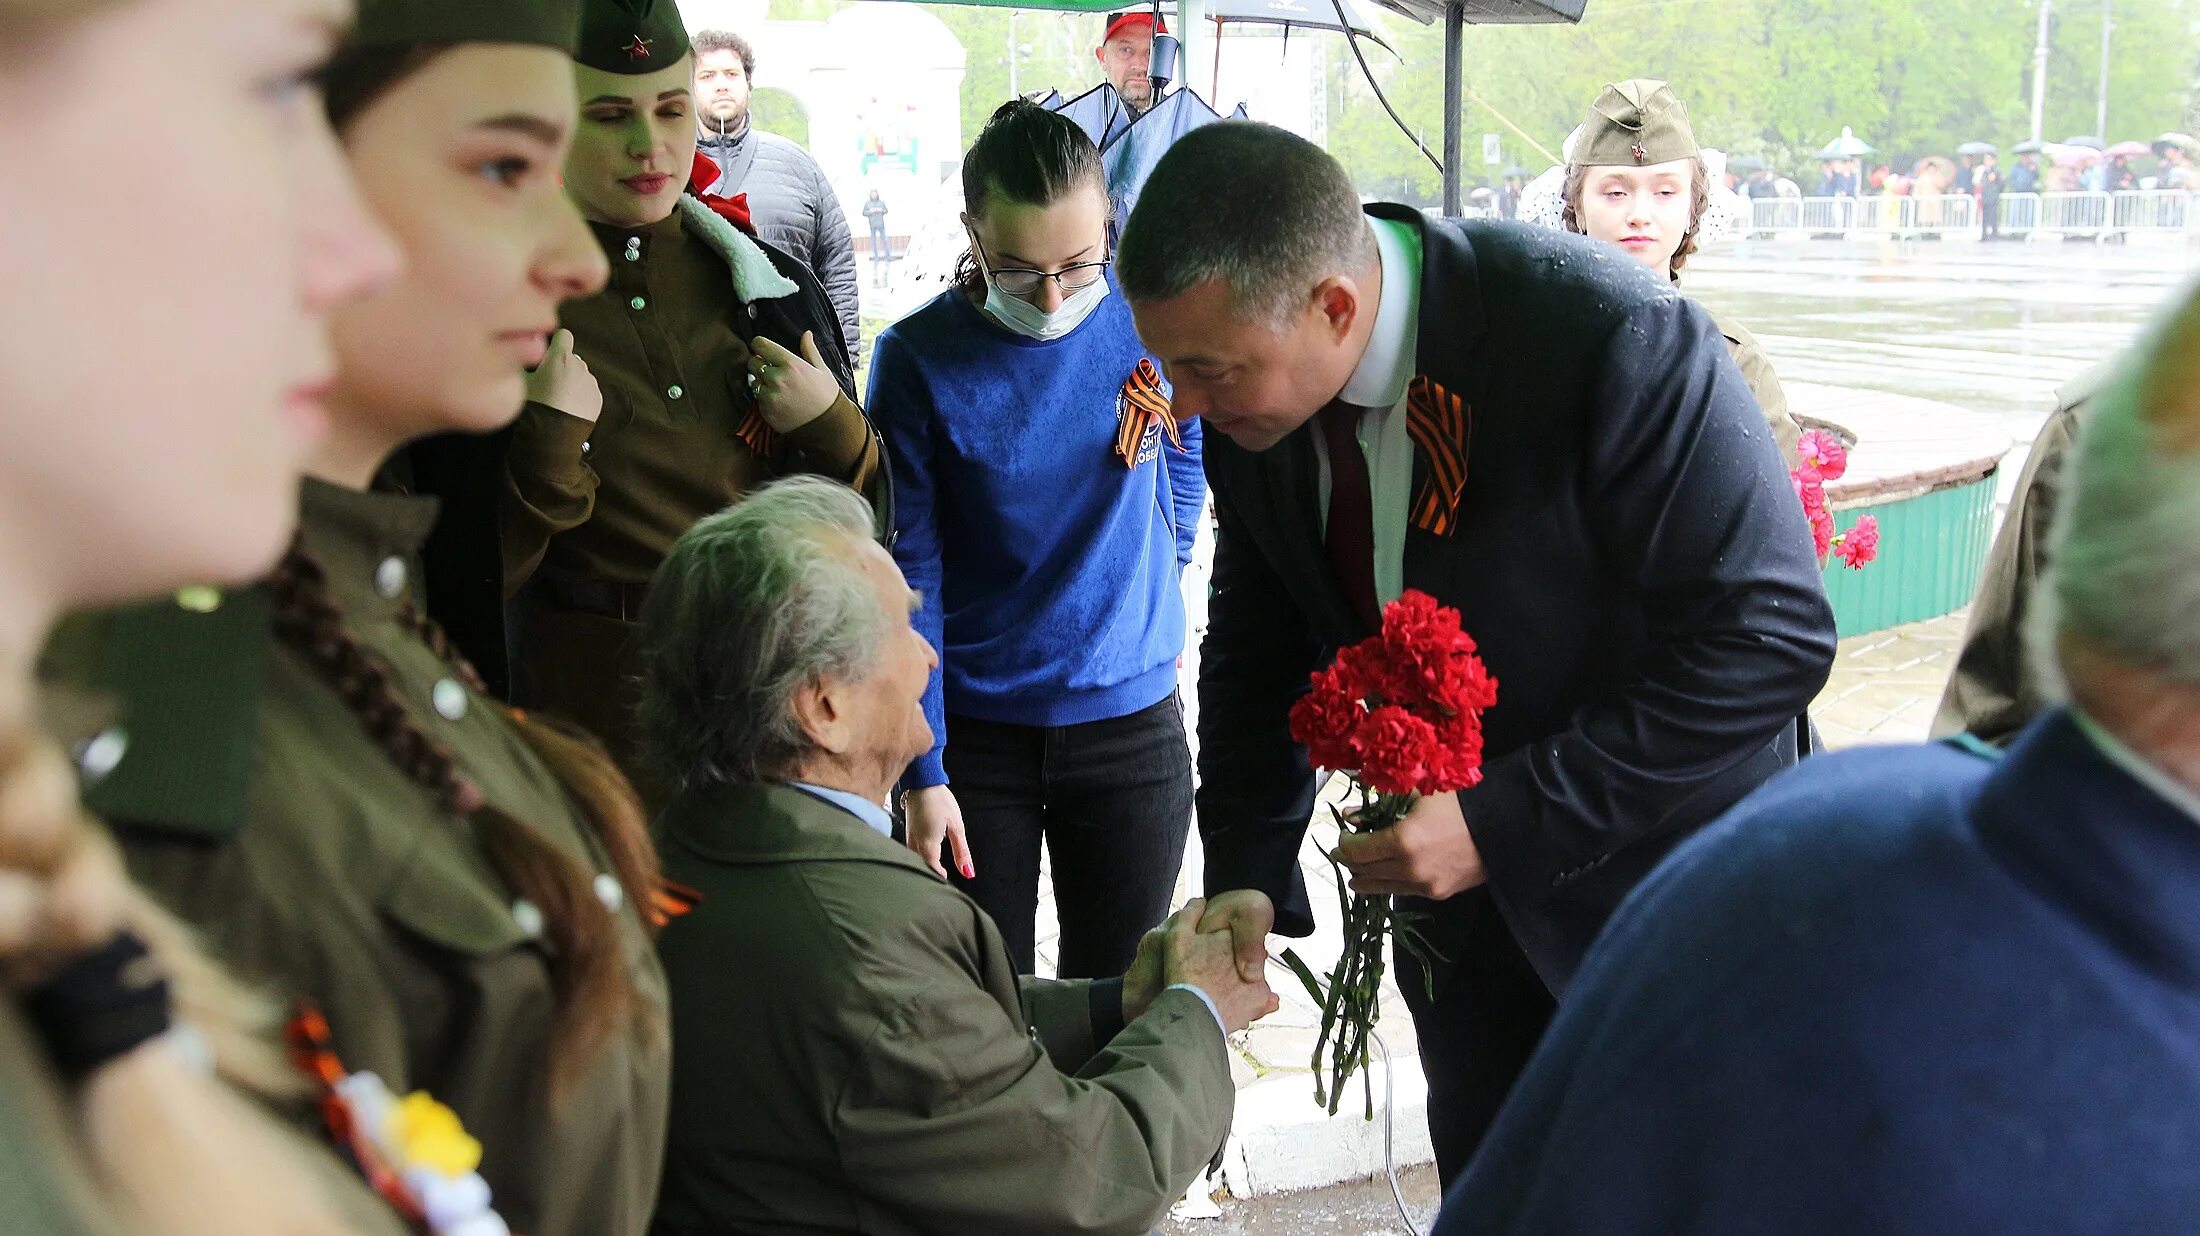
[[1629, 553], [1899, 990]]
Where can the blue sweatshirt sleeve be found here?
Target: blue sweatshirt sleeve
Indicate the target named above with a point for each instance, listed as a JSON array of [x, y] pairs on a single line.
[[1187, 489], [900, 403]]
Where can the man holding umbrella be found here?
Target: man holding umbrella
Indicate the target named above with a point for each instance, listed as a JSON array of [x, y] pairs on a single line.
[[2025, 178], [1126, 56]]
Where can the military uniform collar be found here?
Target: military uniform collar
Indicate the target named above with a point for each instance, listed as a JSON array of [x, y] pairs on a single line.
[[751, 825], [617, 240], [365, 542]]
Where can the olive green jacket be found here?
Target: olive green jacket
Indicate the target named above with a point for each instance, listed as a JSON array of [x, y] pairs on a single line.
[[1749, 357], [47, 1188], [854, 1053], [1999, 683], [254, 802]]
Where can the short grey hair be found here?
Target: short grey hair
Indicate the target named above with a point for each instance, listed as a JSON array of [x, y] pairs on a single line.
[[754, 603], [1264, 210], [2126, 553]]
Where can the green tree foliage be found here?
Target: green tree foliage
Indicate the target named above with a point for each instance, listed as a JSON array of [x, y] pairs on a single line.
[[1778, 78]]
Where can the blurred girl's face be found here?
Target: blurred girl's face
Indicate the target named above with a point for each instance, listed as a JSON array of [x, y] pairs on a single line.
[[461, 158], [165, 354]]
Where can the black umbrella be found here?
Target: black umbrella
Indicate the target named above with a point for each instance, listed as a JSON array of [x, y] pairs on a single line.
[[1978, 148], [2027, 147], [1746, 163]]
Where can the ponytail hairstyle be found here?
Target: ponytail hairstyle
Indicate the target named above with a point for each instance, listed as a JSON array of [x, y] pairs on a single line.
[[1026, 155], [1699, 201], [589, 971]]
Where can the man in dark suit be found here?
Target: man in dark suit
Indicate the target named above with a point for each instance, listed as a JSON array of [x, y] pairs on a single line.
[[1535, 432], [1924, 990]]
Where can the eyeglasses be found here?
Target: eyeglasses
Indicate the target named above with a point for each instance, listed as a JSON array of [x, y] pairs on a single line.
[[1023, 281]]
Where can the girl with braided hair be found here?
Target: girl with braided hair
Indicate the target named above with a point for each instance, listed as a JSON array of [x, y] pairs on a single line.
[[126, 480], [457, 896]]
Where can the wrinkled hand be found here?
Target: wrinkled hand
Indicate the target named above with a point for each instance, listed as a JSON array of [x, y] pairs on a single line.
[[791, 391], [1209, 962], [934, 816], [1428, 854], [562, 381], [1248, 916], [62, 887]]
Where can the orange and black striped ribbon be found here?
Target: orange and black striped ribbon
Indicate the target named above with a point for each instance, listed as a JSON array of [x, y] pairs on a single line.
[[755, 434], [1138, 406], [1439, 423], [307, 1035], [672, 900]]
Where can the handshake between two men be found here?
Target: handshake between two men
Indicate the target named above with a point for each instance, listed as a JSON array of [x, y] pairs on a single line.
[[1219, 947]]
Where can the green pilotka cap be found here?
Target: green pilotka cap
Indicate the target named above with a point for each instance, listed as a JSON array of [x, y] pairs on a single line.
[[631, 37], [405, 23], [1633, 124]]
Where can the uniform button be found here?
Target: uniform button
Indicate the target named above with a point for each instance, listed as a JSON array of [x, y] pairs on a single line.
[[199, 599], [102, 754], [449, 699], [674, 392], [389, 577], [639, 302], [586, 447], [609, 892], [752, 313], [526, 917]]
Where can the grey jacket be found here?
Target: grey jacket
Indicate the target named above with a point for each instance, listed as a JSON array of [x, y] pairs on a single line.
[[795, 211]]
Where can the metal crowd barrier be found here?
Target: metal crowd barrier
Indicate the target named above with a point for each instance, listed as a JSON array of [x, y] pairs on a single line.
[[2142, 212]]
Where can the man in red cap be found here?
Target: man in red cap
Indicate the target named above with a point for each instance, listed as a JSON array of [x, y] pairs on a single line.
[[1125, 51]]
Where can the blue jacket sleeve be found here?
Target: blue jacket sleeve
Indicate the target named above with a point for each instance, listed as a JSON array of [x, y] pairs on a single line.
[[901, 404], [1187, 489]]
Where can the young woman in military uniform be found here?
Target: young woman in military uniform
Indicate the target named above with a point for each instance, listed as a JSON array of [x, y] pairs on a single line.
[[709, 365], [123, 481], [457, 891], [1635, 178]]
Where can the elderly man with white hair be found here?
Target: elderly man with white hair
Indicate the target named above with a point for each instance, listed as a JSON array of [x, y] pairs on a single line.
[[852, 1050], [1932, 989]]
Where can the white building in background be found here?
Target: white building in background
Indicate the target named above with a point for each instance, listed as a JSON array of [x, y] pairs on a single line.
[[881, 85]]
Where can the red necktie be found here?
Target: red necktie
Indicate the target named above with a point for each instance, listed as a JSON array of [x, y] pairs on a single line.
[[1351, 535]]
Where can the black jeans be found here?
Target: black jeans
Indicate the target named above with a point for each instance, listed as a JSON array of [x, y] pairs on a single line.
[[1113, 802]]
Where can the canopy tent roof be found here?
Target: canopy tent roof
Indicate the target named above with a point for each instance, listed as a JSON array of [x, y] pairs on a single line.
[[1455, 14]]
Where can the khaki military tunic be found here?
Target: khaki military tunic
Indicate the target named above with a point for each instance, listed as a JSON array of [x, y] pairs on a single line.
[[592, 509], [1756, 369], [46, 1186], [1999, 685], [252, 800]]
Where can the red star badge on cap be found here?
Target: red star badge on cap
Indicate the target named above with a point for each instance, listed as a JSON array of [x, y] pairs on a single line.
[[1641, 155], [639, 48]]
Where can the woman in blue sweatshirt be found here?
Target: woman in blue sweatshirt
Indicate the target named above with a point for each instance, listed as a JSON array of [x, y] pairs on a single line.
[[1046, 503]]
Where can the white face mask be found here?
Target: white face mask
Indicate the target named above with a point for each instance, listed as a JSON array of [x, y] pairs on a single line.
[[1032, 322]]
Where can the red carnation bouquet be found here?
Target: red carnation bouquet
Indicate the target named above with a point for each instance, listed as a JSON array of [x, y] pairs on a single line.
[[1825, 459], [1401, 714]]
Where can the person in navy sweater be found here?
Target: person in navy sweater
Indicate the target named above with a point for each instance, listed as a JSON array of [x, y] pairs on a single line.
[[1923, 990], [1046, 502]]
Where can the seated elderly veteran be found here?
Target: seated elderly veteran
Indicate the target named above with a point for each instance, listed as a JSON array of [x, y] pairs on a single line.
[[1926, 990], [852, 1049]]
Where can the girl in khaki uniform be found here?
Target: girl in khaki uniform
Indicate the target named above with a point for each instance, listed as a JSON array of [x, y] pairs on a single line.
[[129, 479], [456, 892], [1635, 179]]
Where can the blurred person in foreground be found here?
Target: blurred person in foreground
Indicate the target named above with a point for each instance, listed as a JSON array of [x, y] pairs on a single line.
[[1925, 989]]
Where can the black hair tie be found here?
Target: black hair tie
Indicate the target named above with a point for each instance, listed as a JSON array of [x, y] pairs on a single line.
[[99, 1007]]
